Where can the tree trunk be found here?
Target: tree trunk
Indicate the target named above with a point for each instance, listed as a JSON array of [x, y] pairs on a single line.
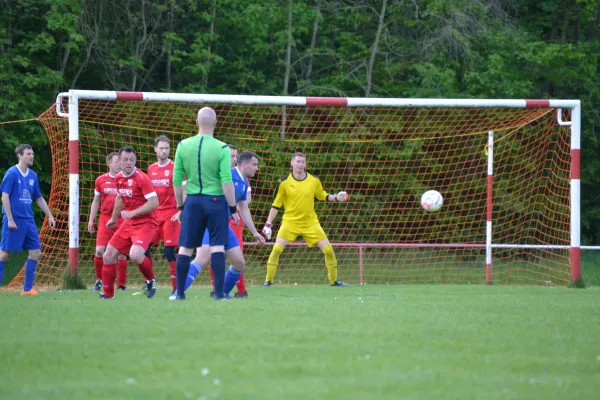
[[313, 42], [96, 20], [288, 60], [565, 24], [286, 78], [374, 49], [209, 44], [168, 70]]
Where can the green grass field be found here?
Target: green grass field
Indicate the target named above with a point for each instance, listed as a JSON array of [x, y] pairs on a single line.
[[305, 342]]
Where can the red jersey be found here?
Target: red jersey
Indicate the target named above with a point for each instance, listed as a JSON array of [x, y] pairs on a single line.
[[135, 190], [106, 188], [162, 180]]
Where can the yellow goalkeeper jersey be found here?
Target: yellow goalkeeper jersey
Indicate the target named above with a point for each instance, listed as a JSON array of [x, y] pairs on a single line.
[[298, 199]]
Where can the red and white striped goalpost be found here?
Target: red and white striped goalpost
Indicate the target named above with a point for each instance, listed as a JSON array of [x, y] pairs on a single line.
[[575, 127]]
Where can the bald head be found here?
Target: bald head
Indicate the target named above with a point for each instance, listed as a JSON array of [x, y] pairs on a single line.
[[207, 119]]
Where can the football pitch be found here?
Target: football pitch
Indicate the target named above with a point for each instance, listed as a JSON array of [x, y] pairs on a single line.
[[305, 342]]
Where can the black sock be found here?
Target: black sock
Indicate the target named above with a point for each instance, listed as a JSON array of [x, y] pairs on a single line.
[[217, 263], [183, 268]]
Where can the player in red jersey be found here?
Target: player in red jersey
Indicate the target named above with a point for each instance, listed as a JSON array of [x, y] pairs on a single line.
[[161, 175], [135, 202], [105, 192]]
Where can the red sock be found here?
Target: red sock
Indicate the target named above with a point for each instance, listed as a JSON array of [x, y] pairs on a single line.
[[122, 273], [146, 269], [241, 285], [98, 266], [109, 273], [173, 271], [212, 277]]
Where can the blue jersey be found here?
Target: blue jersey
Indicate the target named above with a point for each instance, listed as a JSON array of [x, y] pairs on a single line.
[[22, 190], [240, 184]]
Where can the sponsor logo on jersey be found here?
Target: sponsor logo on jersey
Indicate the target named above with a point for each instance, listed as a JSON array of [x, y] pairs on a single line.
[[126, 192], [161, 183]]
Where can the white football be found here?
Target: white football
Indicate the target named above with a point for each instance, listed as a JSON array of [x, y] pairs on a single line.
[[432, 201]]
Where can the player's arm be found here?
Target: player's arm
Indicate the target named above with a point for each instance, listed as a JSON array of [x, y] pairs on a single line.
[[178, 174], [118, 207], [151, 198], [150, 205], [94, 212], [323, 195], [6, 187], [277, 204], [227, 182], [8, 210], [41, 202], [247, 218]]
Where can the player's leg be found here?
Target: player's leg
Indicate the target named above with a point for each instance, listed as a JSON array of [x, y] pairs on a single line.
[[31, 243], [7, 245], [285, 235], [121, 267], [236, 258], [122, 272], [202, 259], [119, 244], [193, 224], [170, 237], [141, 237], [3, 258], [103, 235], [318, 236], [238, 230], [11, 241], [98, 263], [109, 269], [218, 229]]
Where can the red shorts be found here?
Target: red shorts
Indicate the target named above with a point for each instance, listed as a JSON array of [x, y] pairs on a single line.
[[238, 231], [104, 234], [133, 232], [167, 231]]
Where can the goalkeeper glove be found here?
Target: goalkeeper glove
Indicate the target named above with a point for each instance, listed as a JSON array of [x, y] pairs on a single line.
[[267, 230], [341, 196]]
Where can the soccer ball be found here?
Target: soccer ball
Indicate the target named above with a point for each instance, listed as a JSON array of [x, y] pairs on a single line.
[[432, 201]]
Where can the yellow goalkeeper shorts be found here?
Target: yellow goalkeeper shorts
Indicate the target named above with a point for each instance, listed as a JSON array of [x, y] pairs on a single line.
[[312, 234]]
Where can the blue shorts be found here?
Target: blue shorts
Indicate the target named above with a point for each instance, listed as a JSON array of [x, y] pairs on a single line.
[[232, 240], [200, 213], [26, 236]]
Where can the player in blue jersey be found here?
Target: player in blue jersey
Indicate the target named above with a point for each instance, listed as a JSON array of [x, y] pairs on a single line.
[[20, 188], [247, 167]]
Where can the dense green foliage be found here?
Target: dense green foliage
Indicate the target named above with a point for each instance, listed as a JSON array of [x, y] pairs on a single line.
[[377, 48]]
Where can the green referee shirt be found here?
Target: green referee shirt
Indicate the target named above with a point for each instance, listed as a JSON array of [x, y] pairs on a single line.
[[206, 164]]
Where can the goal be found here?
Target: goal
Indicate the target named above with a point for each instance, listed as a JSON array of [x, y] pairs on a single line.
[[508, 171]]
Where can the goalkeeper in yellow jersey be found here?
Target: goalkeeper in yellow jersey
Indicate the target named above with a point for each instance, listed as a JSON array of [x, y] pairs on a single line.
[[297, 193]]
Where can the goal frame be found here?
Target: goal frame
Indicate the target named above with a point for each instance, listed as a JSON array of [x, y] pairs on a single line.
[[73, 97]]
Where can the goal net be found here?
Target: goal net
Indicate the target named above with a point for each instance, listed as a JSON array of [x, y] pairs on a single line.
[[505, 168]]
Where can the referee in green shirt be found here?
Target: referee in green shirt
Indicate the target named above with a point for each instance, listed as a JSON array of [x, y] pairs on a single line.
[[206, 164]]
